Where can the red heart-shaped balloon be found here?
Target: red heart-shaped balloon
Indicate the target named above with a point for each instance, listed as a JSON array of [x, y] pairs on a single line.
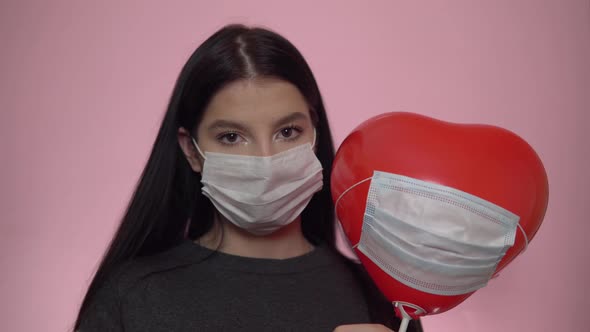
[[486, 161]]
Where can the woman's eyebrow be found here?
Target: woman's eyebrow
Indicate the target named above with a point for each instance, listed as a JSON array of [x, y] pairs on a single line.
[[290, 118], [226, 124]]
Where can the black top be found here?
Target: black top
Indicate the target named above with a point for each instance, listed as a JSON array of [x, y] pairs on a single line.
[[191, 288]]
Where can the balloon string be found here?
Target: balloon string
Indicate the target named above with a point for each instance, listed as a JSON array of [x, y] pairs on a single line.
[[342, 195], [404, 325], [405, 317]]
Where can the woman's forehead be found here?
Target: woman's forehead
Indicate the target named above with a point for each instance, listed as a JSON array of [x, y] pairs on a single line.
[[256, 101]]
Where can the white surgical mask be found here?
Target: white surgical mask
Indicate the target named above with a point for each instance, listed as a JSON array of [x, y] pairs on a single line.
[[261, 194], [433, 238]]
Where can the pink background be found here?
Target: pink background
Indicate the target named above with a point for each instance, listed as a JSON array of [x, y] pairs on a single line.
[[84, 86]]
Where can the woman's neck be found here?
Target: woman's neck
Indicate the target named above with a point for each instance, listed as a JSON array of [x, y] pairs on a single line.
[[287, 242]]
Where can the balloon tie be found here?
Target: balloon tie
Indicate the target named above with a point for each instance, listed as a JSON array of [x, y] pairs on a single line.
[[406, 318]]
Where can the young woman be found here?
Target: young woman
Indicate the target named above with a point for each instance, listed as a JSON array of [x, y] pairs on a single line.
[[231, 224]]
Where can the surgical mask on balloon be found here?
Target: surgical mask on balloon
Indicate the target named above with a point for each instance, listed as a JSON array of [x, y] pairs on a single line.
[[434, 238]]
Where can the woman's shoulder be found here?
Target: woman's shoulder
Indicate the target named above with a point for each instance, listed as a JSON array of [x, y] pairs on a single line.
[[129, 273]]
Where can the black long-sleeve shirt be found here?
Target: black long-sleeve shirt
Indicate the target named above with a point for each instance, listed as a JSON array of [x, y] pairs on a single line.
[[191, 288]]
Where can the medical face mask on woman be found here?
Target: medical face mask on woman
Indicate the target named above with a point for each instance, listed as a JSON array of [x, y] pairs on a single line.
[[261, 194]]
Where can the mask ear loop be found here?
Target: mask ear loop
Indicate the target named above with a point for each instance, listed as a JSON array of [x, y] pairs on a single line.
[[198, 149], [342, 195], [526, 245], [526, 239]]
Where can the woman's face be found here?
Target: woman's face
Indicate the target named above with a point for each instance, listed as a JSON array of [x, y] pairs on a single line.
[[259, 117]]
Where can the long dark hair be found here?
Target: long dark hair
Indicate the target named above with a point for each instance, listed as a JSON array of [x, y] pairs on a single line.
[[168, 196]]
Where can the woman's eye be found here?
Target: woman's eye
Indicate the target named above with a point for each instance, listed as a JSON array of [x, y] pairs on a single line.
[[289, 133], [229, 138]]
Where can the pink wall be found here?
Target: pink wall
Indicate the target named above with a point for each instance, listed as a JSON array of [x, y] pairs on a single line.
[[84, 86]]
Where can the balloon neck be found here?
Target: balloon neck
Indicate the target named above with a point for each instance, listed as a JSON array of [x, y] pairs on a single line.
[[407, 311]]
